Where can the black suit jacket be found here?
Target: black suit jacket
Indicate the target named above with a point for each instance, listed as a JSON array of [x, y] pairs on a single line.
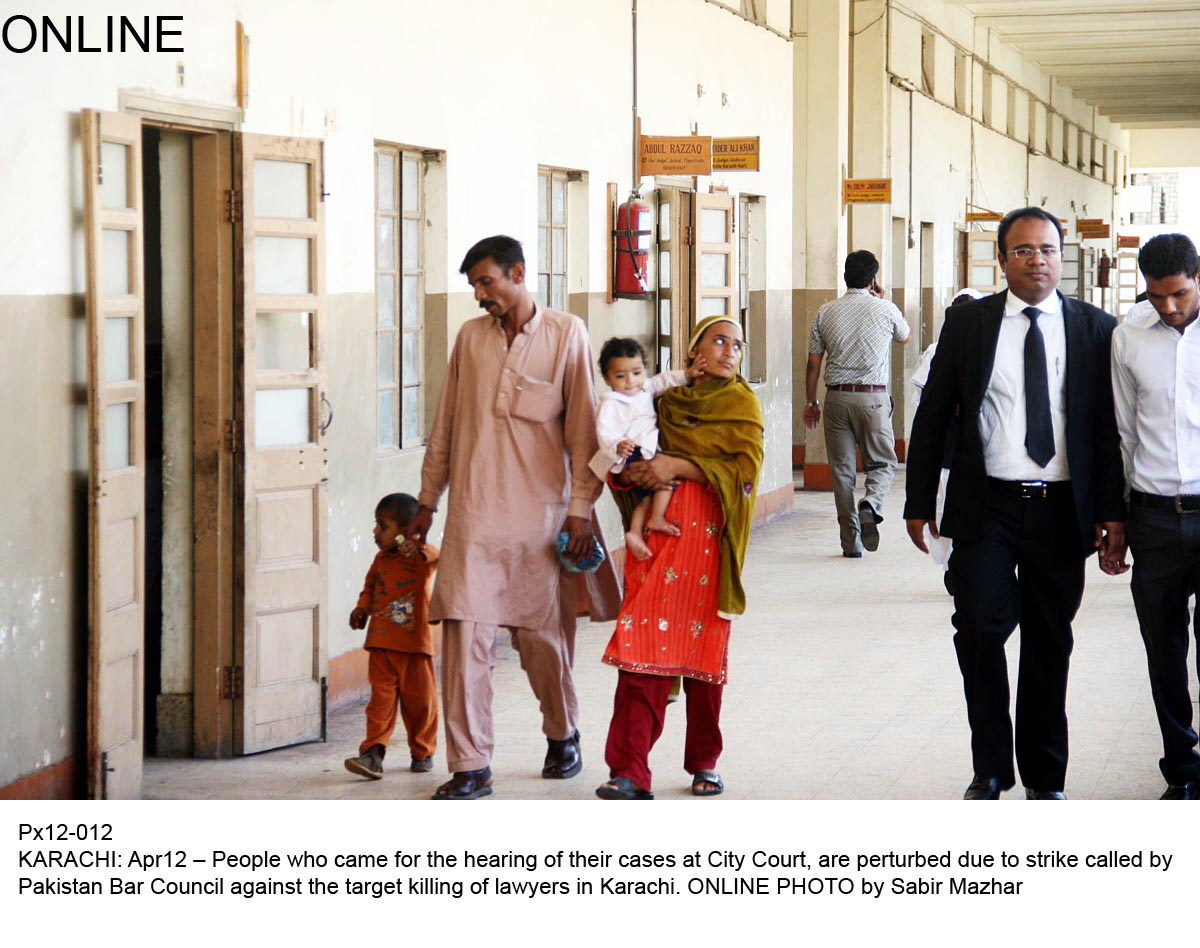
[[958, 380]]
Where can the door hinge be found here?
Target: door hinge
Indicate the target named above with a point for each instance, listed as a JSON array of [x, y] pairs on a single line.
[[231, 212], [231, 681], [689, 235], [233, 436]]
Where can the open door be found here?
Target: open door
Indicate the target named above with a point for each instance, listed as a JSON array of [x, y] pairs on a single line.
[[714, 260], [112, 170], [280, 415]]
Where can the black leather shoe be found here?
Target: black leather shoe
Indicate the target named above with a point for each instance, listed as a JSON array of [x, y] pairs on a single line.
[[852, 556], [1183, 791], [563, 758], [867, 520], [466, 785], [983, 788], [1044, 794]]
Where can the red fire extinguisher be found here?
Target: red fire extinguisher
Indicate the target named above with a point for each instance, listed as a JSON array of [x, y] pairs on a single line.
[[1105, 267], [635, 229]]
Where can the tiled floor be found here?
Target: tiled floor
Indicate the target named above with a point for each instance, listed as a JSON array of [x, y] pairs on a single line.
[[843, 685]]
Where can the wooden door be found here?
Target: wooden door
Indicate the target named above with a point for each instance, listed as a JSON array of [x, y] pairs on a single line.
[[674, 266], [980, 264], [1071, 282], [714, 262], [278, 432], [112, 169]]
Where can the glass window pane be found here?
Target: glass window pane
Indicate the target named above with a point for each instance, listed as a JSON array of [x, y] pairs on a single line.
[[281, 265], [558, 259], [281, 188], [543, 199], [664, 269], [983, 250], [543, 250], [116, 263], [385, 181], [117, 367], [983, 276], [411, 312], [713, 227], [664, 222], [558, 202], [385, 246], [664, 317], [117, 446], [282, 416], [664, 358], [282, 341], [559, 291], [714, 269], [410, 367], [410, 189], [387, 358], [385, 419], [411, 413], [385, 300], [114, 175], [411, 245], [543, 289], [714, 306]]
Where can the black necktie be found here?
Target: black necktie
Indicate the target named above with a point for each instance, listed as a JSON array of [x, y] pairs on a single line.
[[1039, 434]]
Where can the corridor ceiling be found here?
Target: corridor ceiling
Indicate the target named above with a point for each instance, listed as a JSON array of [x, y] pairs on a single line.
[[1138, 63]]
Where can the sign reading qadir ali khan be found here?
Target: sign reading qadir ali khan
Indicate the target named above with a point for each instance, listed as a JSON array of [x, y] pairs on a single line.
[[679, 154], [735, 154]]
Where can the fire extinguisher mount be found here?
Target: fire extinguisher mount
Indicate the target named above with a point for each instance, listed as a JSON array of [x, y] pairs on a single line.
[[634, 222]]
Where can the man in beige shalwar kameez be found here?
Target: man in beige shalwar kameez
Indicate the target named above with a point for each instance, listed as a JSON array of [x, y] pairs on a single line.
[[514, 431]]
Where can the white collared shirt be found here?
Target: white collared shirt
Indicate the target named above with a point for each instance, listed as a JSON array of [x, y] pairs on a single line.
[[1002, 418], [1156, 394]]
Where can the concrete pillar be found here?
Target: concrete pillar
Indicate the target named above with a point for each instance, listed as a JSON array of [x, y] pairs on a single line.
[[870, 225], [821, 77]]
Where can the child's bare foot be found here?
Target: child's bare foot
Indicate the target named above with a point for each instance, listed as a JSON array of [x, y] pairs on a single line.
[[661, 525], [637, 546]]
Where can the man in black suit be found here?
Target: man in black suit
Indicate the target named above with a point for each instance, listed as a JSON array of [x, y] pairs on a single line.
[[1035, 487]]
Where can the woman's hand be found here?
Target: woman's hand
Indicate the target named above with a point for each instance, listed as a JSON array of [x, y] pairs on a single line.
[[663, 470]]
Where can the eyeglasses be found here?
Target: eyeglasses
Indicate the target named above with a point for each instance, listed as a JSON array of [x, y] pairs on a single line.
[[1024, 253]]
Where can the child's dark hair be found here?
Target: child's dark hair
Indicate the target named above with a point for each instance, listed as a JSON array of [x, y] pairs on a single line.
[[399, 508], [618, 348]]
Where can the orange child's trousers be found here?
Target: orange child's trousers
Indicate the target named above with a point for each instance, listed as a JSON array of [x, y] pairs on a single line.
[[404, 681]]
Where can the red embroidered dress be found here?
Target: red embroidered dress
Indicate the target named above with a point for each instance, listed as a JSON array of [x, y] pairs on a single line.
[[668, 623]]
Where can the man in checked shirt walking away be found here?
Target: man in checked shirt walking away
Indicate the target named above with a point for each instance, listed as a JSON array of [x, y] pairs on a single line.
[[856, 331]]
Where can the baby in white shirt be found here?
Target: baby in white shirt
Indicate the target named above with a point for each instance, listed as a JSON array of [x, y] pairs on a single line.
[[627, 427]]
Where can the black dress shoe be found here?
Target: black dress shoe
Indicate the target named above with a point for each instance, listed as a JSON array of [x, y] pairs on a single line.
[[563, 758], [1044, 794], [1183, 791], [867, 520], [983, 788], [466, 785]]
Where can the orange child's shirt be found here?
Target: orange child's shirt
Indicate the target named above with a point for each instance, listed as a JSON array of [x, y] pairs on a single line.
[[396, 597]]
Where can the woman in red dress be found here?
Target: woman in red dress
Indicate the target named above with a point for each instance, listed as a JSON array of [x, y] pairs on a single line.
[[674, 620]]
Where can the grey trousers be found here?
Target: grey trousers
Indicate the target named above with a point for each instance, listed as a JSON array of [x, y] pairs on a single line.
[[468, 656], [861, 420]]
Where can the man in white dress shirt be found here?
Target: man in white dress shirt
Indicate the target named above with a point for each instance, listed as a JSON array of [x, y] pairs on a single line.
[[1035, 487], [1156, 394]]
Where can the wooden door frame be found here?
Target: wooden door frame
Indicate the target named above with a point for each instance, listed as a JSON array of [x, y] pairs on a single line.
[[213, 432]]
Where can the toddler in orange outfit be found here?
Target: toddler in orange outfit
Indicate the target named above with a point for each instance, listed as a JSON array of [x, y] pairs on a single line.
[[395, 598]]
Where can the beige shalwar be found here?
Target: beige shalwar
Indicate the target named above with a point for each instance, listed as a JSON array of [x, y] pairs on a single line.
[[514, 431]]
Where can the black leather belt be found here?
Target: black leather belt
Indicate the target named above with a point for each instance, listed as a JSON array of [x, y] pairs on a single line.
[[1180, 503], [856, 388], [1030, 490]]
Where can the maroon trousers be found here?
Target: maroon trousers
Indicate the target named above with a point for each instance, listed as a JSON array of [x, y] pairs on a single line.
[[637, 722]]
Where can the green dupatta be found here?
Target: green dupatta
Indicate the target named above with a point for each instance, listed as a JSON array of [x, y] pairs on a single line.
[[718, 426]]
